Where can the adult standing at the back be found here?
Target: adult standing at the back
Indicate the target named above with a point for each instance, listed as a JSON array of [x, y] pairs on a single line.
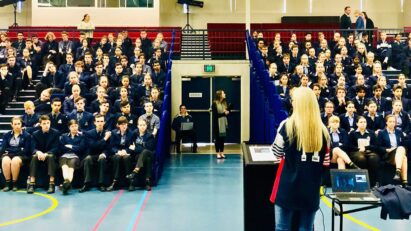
[[345, 21], [220, 110], [87, 27], [369, 25]]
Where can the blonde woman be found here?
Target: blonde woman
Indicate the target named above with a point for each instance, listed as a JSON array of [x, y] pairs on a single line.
[[302, 142], [220, 124], [339, 142]]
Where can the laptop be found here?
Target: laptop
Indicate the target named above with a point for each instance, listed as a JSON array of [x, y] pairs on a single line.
[[352, 185], [186, 126]]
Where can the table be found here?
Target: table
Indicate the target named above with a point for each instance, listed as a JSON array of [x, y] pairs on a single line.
[[340, 211]]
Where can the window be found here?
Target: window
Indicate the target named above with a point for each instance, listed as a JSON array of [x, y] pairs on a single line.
[[97, 3]]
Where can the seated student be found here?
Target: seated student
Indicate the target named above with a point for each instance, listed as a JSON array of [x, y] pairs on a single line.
[[69, 105], [153, 121], [84, 118], [340, 101], [116, 77], [72, 146], [391, 141], [82, 76], [158, 75], [349, 119], [157, 103], [5, 87], [138, 76], [42, 105], [360, 82], [45, 145], [68, 67], [101, 97], [97, 151], [50, 79], [321, 100], [120, 142], [88, 68], [104, 110], [325, 89], [283, 88], [406, 91], [363, 149], [103, 82], [383, 104], [29, 118], [124, 63], [15, 71], [286, 66], [143, 148], [176, 125], [328, 112], [126, 112], [15, 151], [386, 88], [375, 120], [74, 80], [144, 90], [359, 100], [339, 144], [398, 95], [295, 78], [58, 120], [95, 77], [124, 96], [402, 118], [26, 64]]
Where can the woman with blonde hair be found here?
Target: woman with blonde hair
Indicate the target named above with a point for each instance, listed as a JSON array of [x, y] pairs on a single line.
[[302, 143]]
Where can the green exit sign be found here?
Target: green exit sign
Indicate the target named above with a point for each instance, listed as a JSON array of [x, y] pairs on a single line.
[[209, 68]]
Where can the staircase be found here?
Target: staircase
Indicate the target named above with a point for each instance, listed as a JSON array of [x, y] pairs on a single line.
[[16, 108], [195, 46]]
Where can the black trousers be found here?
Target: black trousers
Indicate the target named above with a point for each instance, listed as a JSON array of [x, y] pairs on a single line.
[[89, 163], [117, 160], [219, 144], [17, 86], [370, 161], [50, 161], [5, 97], [145, 160], [189, 134]]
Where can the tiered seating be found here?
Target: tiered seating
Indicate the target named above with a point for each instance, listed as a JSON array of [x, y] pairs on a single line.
[[100, 31], [226, 44], [266, 108]]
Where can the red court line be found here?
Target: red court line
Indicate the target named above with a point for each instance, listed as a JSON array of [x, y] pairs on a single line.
[[141, 212], [110, 206]]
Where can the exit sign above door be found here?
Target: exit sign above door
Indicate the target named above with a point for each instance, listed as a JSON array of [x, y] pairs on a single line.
[[209, 68]]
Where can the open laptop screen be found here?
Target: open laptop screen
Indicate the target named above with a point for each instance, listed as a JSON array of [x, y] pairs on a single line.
[[350, 180]]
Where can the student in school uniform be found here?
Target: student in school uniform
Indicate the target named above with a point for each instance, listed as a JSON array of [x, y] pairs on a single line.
[[84, 118], [58, 120]]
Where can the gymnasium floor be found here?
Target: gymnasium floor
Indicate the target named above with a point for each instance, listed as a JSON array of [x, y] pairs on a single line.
[[196, 193]]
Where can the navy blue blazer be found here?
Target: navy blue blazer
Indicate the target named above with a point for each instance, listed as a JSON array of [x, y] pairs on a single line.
[[345, 124], [115, 140], [77, 142], [46, 142], [29, 121], [24, 147], [85, 123], [96, 144], [59, 122], [146, 141], [384, 139], [285, 92], [343, 135], [405, 127], [376, 124]]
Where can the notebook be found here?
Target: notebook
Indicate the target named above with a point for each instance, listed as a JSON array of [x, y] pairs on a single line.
[[351, 185], [187, 126]]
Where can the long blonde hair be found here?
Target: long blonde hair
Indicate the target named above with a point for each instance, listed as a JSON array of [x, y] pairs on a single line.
[[305, 126]]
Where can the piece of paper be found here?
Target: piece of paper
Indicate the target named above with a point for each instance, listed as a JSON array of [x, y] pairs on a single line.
[[262, 153]]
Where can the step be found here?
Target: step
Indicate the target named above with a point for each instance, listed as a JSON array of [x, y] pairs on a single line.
[[6, 118], [14, 111], [4, 125], [26, 97], [28, 92], [16, 104], [2, 132]]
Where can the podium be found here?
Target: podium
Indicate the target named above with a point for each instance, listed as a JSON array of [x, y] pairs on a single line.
[[258, 179]]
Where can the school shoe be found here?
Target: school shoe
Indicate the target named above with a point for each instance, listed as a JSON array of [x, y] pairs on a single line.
[[7, 187], [131, 187], [15, 188], [51, 188], [85, 188], [102, 189], [30, 189], [148, 185], [353, 166], [66, 187], [132, 175], [112, 186]]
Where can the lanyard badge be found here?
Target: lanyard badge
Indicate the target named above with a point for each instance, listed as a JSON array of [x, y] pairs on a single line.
[[315, 157]]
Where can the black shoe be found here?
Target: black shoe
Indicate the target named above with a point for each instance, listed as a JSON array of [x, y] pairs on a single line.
[[397, 177], [51, 188], [85, 188], [66, 187], [133, 174], [102, 189], [131, 187], [195, 149], [148, 185], [112, 186], [15, 188], [354, 166], [30, 189], [7, 187]]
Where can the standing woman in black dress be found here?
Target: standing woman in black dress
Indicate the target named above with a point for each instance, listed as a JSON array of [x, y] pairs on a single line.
[[220, 123]]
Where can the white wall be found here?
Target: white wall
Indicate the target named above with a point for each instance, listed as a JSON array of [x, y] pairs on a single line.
[[240, 68], [71, 16]]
